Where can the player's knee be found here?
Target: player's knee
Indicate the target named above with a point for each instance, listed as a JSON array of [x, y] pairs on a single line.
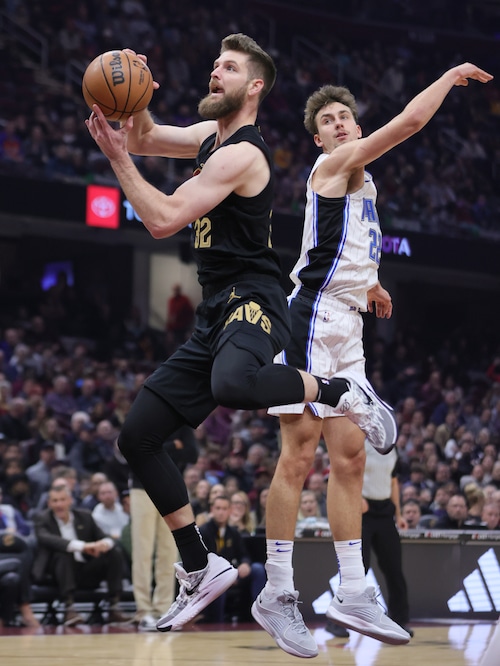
[[350, 463], [132, 441], [232, 391], [293, 465]]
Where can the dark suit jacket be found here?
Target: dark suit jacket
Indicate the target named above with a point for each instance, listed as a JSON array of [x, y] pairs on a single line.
[[49, 537], [234, 548]]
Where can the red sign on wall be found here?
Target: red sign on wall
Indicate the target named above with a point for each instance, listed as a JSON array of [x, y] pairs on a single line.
[[103, 207]]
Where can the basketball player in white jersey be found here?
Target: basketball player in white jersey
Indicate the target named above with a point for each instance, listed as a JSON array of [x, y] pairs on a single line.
[[336, 279]]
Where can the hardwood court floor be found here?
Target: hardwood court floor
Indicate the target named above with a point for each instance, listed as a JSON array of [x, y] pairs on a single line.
[[460, 644]]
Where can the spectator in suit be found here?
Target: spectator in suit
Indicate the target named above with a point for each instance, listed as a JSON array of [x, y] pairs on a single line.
[[76, 553], [225, 540]]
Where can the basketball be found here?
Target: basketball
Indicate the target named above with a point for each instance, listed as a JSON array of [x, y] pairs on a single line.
[[119, 83]]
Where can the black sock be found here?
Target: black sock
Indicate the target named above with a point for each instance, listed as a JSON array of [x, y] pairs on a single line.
[[330, 390], [192, 550]]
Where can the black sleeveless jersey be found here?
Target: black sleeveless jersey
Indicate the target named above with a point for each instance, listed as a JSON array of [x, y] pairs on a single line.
[[234, 238]]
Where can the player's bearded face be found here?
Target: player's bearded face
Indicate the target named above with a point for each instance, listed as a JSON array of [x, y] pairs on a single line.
[[230, 102]]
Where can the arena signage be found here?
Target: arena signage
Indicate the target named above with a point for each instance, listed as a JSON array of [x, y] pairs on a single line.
[[396, 245]]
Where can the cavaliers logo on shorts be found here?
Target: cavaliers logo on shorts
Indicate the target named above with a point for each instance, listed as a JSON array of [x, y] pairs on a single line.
[[252, 313]]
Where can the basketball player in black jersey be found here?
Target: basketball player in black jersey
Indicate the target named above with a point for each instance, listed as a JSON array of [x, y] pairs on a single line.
[[243, 320]]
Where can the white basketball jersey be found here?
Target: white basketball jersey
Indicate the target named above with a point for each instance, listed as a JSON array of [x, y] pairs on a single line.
[[341, 244]]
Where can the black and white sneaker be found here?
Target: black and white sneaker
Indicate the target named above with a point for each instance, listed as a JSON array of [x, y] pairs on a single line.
[[364, 408], [197, 590]]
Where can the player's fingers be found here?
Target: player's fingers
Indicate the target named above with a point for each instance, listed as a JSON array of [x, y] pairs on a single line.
[[484, 77], [98, 114], [127, 126]]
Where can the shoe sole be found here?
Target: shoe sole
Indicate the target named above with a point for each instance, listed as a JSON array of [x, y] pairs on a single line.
[[387, 411], [260, 619], [367, 629], [388, 416], [224, 581]]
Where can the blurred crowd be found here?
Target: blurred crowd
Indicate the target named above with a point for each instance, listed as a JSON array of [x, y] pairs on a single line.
[[442, 181]]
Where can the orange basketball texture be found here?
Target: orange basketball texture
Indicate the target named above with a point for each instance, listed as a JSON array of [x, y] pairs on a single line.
[[119, 83]]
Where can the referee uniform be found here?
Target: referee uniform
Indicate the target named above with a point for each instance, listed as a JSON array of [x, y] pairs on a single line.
[[379, 530]]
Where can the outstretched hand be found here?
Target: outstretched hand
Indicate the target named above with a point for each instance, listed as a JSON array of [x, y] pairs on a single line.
[[112, 142], [469, 71]]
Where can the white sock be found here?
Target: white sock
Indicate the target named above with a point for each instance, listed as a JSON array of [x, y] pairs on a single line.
[[351, 569], [279, 567]]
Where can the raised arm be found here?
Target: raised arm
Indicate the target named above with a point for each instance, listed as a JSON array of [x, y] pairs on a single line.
[[237, 167], [148, 138], [414, 116]]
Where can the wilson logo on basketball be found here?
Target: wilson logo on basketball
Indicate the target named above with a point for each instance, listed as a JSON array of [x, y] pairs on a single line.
[[103, 207], [116, 65]]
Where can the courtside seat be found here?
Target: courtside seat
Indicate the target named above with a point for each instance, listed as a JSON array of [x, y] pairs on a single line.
[[45, 600]]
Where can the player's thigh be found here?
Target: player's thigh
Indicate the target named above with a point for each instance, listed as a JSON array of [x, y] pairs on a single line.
[[300, 433], [342, 437]]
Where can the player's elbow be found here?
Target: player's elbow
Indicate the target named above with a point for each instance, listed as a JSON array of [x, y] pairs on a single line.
[[158, 228], [162, 227], [416, 119]]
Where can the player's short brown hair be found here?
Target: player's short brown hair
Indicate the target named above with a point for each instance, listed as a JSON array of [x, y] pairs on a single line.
[[322, 97], [261, 65]]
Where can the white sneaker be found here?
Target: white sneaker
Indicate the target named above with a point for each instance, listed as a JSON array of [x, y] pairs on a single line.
[[197, 590], [364, 614], [282, 620], [364, 408], [147, 623]]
